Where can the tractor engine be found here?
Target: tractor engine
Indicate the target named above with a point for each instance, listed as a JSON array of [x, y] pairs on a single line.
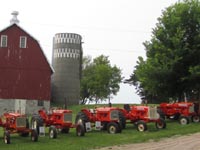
[[102, 118], [14, 121], [183, 111], [141, 115]]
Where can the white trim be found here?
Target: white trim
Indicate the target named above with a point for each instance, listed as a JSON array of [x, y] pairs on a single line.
[[23, 42], [2, 40]]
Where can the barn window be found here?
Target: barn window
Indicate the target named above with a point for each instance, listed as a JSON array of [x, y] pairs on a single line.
[[23, 40], [3, 40], [40, 103]]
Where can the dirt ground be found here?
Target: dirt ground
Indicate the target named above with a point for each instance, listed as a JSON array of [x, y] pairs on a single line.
[[188, 142]]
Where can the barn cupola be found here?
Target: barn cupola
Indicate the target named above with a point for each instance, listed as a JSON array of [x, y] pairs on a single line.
[[14, 19]]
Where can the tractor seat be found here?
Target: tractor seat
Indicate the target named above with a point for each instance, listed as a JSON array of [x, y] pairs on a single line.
[[127, 107]]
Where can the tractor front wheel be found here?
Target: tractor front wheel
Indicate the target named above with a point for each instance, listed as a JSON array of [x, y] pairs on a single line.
[[80, 130], [195, 119], [184, 120], [52, 132], [34, 136], [112, 128], [161, 124], [141, 126], [6, 137]]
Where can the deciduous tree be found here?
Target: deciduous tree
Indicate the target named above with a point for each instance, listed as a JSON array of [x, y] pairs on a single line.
[[99, 79], [173, 55]]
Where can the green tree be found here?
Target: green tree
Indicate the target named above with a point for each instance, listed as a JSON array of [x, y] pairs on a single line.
[[99, 79], [172, 67]]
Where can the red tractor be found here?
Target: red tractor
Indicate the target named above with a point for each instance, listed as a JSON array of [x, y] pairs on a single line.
[[16, 123], [141, 115], [56, 120], [182, 111], [106, 118]]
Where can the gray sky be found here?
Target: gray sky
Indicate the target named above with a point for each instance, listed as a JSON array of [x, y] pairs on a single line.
[[115, 28]]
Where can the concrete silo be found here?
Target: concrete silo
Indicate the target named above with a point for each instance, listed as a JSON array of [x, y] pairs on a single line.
[[66, 61]]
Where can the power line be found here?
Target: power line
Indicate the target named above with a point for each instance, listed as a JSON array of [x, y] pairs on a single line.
[[115, 50], [105, 49], [93, 28]]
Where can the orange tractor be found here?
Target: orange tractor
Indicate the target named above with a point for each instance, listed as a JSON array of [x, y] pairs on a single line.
[[182, 111], [141, 115], [16, 123], [102, 118], [56, 120]]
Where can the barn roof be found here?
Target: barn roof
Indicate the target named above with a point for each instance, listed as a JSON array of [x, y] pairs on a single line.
[[15, 24]]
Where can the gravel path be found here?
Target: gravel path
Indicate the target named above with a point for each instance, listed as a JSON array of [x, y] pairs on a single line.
[[187, 142]]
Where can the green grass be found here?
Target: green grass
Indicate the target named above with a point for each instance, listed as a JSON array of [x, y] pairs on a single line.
[[97, 139]]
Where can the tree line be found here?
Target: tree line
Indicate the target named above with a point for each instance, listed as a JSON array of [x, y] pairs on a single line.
[[171, 69]]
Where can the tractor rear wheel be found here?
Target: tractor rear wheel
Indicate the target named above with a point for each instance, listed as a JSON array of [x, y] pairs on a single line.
[[112, 128], [161, 124], [65, 130], [34, 136], [184, 120], [24, 134], [80, 130], [122, 120], [36, 123], [141, 126], [81, 118], [161, 113], [52, 132], [6, 137], [176, 117], [195, 119]]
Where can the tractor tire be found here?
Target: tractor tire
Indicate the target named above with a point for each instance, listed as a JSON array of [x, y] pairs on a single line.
[[184, 120], [36, 123], [161, 124], [80, 130], [112, 128], [195, 119], [6, 137], [176, 117], [119, 128], [81, 118], [34, 136], [122, 120], [104, 126], [52, 132], [65, 130], [24, 134], [161, 113], [141, 126]]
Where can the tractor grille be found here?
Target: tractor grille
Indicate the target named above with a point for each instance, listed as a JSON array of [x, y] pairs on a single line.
[[114, 115], [191, 109], [21, 122], [68, 117], [153, 114]]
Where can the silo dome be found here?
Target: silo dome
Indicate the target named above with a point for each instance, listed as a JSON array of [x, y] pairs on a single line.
[[66, 61]]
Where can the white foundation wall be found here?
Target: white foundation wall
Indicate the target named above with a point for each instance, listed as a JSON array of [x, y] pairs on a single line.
[[22, 106]]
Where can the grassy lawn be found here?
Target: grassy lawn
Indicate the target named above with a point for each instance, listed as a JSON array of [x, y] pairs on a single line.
[[96, 139]]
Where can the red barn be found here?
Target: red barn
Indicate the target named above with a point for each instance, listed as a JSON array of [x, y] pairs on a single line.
[[25, 74]]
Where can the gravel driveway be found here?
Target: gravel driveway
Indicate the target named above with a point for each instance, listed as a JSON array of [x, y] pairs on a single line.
[[187, 142]]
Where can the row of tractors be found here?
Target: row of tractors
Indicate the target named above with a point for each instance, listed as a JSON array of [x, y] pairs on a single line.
[[112, 119]]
